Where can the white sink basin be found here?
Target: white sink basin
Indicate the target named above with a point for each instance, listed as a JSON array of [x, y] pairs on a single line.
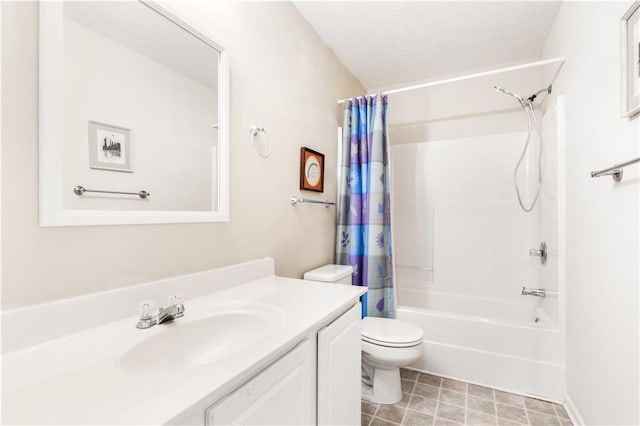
[[185, 343]]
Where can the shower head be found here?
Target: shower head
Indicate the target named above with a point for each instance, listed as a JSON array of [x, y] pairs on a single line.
[[501, 89], [535, 95], [506, 91]]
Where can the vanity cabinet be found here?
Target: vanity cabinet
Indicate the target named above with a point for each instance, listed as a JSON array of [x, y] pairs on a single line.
[[282, 394], [339, 358], [290, 392]]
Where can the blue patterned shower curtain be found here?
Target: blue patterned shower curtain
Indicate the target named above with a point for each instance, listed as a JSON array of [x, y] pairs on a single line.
[[363, 237]]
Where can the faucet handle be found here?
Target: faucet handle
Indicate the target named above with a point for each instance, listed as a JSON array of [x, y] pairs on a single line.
[[175, 302], [147, 310], [174, 299]]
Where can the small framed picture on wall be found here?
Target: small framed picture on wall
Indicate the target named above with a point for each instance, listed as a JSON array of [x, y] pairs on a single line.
[[630, 30], [109, 147], [311, 170]]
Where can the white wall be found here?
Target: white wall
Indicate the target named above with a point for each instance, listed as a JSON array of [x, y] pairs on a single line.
[[602, 220], [169, 114], [282, 77]]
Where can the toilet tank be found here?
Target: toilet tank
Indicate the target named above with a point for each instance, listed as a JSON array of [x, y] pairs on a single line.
[[339, 274]]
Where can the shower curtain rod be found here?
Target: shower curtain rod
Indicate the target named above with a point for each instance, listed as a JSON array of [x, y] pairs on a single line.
[[527, 65]]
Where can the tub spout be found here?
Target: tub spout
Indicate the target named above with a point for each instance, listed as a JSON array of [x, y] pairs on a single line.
[[539, 292]]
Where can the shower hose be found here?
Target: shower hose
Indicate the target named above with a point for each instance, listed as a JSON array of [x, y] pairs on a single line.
[[533, 126]]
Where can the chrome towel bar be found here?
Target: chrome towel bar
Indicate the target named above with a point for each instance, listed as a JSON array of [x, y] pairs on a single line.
[[615, 171], [80, 190], [294, 200]]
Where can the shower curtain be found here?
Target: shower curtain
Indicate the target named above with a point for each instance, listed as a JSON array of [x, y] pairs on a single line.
[[363, 237]]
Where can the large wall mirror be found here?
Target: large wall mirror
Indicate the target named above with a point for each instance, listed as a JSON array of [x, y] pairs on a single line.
[[134, 106]]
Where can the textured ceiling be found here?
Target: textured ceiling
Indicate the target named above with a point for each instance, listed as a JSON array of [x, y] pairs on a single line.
[[386, 44]]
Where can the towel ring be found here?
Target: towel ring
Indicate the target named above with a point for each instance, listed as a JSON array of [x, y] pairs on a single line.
[[255, 130]]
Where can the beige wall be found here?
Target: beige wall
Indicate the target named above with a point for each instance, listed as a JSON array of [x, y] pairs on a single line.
[[602, 218], [282, 77]]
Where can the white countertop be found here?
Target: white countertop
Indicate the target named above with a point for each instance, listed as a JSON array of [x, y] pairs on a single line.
[[77, 379]]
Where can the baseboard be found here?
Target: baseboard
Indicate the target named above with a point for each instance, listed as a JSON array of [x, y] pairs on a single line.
[[573, 412]]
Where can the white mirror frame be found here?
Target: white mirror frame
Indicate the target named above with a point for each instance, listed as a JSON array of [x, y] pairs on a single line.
[[51, 190]]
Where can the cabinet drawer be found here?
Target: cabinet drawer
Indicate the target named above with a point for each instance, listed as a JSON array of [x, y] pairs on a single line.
[[282, 394]]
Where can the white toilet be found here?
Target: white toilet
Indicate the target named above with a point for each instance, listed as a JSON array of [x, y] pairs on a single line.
[[387, 344]]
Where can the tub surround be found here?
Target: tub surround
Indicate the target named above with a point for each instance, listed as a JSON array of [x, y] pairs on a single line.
[[78, 377], [477, 325]]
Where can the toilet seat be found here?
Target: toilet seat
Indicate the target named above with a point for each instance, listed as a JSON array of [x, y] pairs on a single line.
[[387, 345], [390, 332]]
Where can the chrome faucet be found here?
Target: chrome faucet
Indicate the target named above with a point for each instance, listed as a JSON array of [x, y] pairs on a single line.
[[539, 292], [174, 310]]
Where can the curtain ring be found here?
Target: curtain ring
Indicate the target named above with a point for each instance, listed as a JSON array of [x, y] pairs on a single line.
[[255, 130]]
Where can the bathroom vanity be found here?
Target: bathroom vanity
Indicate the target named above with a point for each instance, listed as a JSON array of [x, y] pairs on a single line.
[[252, 348], [284, 392]]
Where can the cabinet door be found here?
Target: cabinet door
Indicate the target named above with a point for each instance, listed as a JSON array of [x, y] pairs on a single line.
[[339, 370], [282, 394]]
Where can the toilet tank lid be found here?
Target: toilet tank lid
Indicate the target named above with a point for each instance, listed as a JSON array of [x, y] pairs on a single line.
[[329, 273]]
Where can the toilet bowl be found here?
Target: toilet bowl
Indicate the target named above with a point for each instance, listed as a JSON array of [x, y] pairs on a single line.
[[387, 344]]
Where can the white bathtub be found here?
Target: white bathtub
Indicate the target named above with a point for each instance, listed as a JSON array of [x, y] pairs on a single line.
[[506, 345]]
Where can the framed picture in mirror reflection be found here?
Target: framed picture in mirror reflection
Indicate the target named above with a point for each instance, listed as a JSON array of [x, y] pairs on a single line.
[[110, 147]]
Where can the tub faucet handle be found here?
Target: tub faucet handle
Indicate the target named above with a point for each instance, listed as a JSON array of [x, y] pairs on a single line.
[[542, 252]]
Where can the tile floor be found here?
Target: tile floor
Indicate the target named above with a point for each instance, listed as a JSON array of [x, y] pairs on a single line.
[[433, 400]]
